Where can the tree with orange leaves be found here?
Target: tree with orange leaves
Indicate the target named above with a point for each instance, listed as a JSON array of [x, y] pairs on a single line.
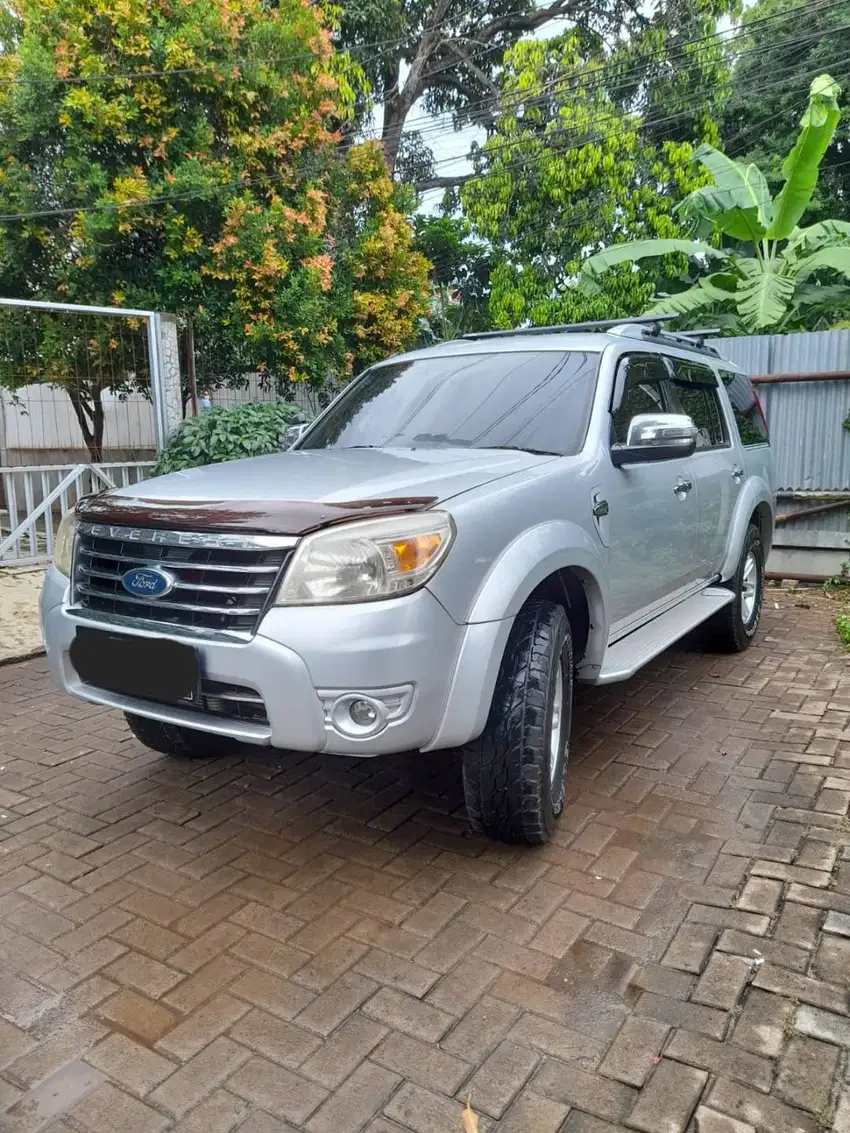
[[184, 155]]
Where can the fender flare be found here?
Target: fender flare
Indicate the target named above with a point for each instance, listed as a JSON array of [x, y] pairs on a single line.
[[755, 493], [522, 566], [532, 557]]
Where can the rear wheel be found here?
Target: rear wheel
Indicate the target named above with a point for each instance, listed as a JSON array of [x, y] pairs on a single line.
[[733, 628], [513, 775], [175, 739]]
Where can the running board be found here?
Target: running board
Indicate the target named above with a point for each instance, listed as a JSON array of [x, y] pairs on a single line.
[[630, 653]]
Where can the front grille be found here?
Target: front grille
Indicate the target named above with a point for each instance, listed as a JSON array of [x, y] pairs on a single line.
[[223, 583]]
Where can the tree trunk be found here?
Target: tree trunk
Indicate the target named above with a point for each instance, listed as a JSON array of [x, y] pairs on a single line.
[[394, 117], [88, 409], [398, 99]]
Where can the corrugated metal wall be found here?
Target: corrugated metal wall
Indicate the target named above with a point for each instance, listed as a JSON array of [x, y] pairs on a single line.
[[806, 420]]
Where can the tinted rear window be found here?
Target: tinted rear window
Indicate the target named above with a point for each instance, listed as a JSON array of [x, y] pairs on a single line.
[[745, 406], [535, 400]]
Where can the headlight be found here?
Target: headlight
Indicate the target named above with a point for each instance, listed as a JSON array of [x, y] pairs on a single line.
[[363, 562], [63, 547]]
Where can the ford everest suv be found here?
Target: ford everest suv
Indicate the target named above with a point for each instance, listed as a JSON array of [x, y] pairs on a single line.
[[461, 535]]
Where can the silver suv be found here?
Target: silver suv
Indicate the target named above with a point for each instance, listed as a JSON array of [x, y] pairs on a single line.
[[465, 532]]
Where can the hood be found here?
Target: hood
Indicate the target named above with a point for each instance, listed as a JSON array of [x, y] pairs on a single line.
[[295, 492]]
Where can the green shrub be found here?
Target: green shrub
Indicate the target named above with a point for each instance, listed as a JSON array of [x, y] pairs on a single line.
[[216, 435], [842, 627]]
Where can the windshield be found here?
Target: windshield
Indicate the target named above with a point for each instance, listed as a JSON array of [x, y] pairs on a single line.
[[537, 401]]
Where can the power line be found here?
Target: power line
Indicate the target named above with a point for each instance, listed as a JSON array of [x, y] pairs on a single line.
[[559, 87], [488, 150], [212, 191], [214, 66], [662, 54], [567, 227]]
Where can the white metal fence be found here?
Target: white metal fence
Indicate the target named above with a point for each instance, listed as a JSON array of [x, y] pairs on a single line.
[[37, 498], [88, 396]]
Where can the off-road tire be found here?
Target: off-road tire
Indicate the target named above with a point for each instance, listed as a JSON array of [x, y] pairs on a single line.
[[510, 793], [727, 630], [175, 739]]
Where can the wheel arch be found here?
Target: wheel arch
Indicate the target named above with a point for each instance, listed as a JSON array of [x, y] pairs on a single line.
[[556, 560], [754, 507]]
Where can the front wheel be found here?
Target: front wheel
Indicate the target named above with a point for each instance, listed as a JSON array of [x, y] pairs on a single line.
[[733, 628], [176, 739], [513, 775]]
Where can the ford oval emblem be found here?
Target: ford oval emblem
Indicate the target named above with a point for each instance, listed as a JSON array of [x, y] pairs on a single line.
[[148, 582]]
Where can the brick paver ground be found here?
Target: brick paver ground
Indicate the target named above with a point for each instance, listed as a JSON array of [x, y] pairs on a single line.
[[274, 942]]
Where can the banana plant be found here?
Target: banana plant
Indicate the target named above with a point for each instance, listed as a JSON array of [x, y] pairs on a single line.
[[765, 272]]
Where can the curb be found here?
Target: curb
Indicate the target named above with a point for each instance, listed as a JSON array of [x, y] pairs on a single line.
[[29, 656]]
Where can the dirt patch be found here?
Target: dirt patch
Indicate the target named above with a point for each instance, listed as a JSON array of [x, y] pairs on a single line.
[[20, 635]]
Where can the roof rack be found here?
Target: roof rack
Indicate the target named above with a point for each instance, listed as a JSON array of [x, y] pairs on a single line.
[[689, 339], [601, 324], [641, 326], [699, 336]]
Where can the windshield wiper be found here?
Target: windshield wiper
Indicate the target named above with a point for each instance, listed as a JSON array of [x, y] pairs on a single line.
[[522, 448]]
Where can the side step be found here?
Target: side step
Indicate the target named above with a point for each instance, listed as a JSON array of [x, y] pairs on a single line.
[[630, 653]]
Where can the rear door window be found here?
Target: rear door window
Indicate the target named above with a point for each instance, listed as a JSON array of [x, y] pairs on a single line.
[[749, 417]]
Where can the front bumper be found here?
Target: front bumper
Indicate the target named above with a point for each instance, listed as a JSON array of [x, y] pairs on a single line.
[[403, 651]]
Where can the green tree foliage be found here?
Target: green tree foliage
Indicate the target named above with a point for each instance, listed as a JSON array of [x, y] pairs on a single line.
[[185, 157], [785, 43], [572, 165], [447, 56], [460, 274], [768, 272], [216, 435]]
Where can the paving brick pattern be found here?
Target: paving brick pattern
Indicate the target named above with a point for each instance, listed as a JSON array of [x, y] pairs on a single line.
[[273, 942]]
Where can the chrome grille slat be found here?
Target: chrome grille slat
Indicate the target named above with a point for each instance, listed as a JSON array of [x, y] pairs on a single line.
[[152, 561], [205, 588], [115, 596], [243, 578], [237, 698]]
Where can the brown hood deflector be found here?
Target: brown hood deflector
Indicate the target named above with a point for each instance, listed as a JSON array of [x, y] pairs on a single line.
[[248, 517]]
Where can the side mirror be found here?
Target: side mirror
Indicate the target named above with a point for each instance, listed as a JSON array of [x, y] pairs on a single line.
[[656, 436]]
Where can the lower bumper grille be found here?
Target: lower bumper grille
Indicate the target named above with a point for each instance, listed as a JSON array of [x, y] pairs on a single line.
[[225, 701], [232, 702]]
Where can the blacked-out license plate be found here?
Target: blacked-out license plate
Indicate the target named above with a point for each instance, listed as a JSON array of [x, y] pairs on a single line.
[[145, 667]]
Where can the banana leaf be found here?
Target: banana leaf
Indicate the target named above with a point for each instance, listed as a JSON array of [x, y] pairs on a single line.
[[802, 164], [711, 291], [593, 267], [838, 259], [827, 233], [738, 203], [763, 295]]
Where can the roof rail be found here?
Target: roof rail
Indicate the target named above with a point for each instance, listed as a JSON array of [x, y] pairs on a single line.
[[645, 326], [602, 324]]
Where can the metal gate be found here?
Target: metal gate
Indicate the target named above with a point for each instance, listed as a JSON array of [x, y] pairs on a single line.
[[88, 396]]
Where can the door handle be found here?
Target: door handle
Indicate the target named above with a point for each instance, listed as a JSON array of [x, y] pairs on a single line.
[[683, 486], [737, 474]]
